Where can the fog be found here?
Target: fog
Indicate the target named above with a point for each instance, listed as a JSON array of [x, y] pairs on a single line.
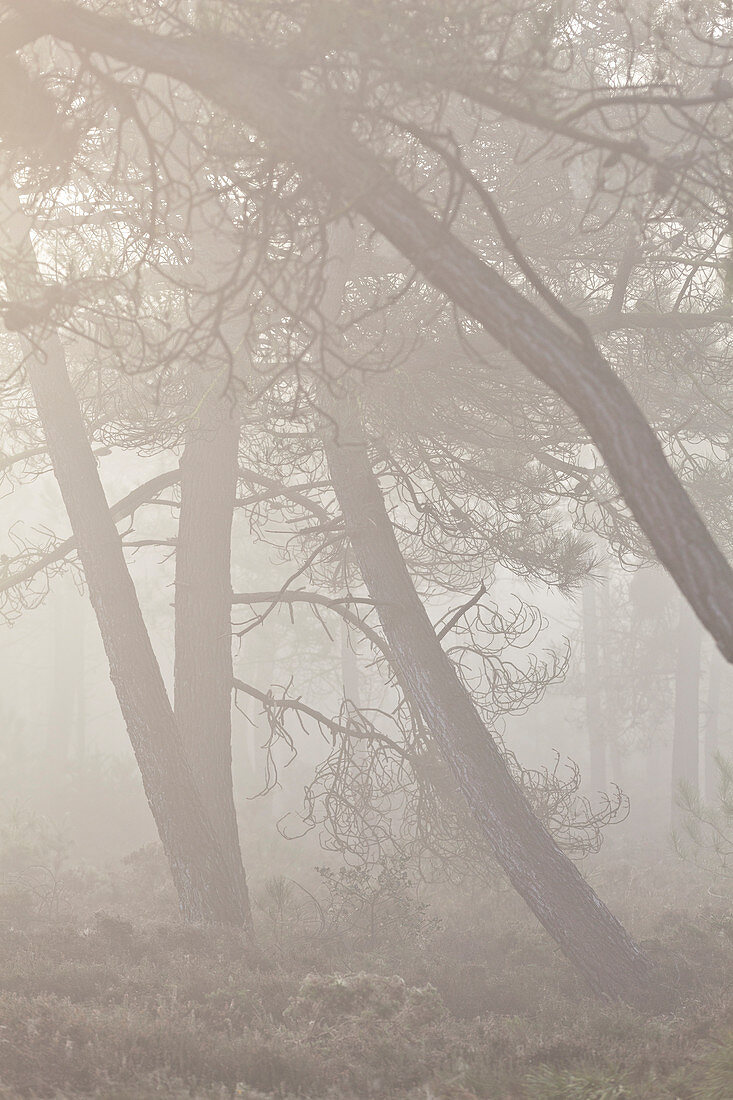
[[367, 614]]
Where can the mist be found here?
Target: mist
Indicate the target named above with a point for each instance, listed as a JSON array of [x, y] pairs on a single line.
[[367, 614]]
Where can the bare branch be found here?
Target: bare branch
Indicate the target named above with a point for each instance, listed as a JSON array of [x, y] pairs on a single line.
[[123, 509]]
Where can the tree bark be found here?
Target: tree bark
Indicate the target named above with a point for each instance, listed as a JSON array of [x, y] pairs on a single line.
[[203, 597], [308, 133], [588, 934], [686, 738], [592, 676], [200, 871]]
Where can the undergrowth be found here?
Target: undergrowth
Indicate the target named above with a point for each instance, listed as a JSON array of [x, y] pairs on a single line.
[[360, 985]]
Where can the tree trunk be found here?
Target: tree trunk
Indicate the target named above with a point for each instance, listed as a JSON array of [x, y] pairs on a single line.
[[349, 667], [587, 933], [80, 693], [65, 672], [200, 871], [655, 802], [592, 676], [308, 133], [686, 738], [203, 603], [614, 754], [712, 727]]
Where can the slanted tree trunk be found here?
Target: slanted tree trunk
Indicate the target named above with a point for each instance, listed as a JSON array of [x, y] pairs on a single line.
[[686, 738], [587, 933], [200, 870], [592, 677], [203, 600]]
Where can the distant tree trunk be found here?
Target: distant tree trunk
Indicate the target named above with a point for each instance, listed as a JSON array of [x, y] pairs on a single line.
[[65, 669], [712, 725], [262, 777], [616, 761], [657, 788], [251, 751], [585, 930], [203, 603], [349, 667], [614, 754], [200, 871], [593, 707], [686, 738], [80, 694]]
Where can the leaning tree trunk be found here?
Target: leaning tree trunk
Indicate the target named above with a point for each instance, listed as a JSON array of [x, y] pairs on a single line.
[[587, 933], [203, 602], [201, 873], [686, 738]]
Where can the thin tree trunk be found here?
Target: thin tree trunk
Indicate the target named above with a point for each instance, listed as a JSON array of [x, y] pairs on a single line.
[[65, 666], [349, 667], [200, 871], [614, 753], [616, 760], [587, 933], [686, 738], [203, 602], [592, 675], [657, 787], [712, 726], [80, 693]]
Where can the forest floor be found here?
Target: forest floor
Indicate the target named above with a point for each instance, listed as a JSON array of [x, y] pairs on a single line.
[[358, 987]]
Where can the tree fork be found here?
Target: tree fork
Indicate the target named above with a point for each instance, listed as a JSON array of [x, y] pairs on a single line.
[[200, 871]]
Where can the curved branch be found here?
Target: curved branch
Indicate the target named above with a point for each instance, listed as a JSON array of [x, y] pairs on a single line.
[[299, 707]]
